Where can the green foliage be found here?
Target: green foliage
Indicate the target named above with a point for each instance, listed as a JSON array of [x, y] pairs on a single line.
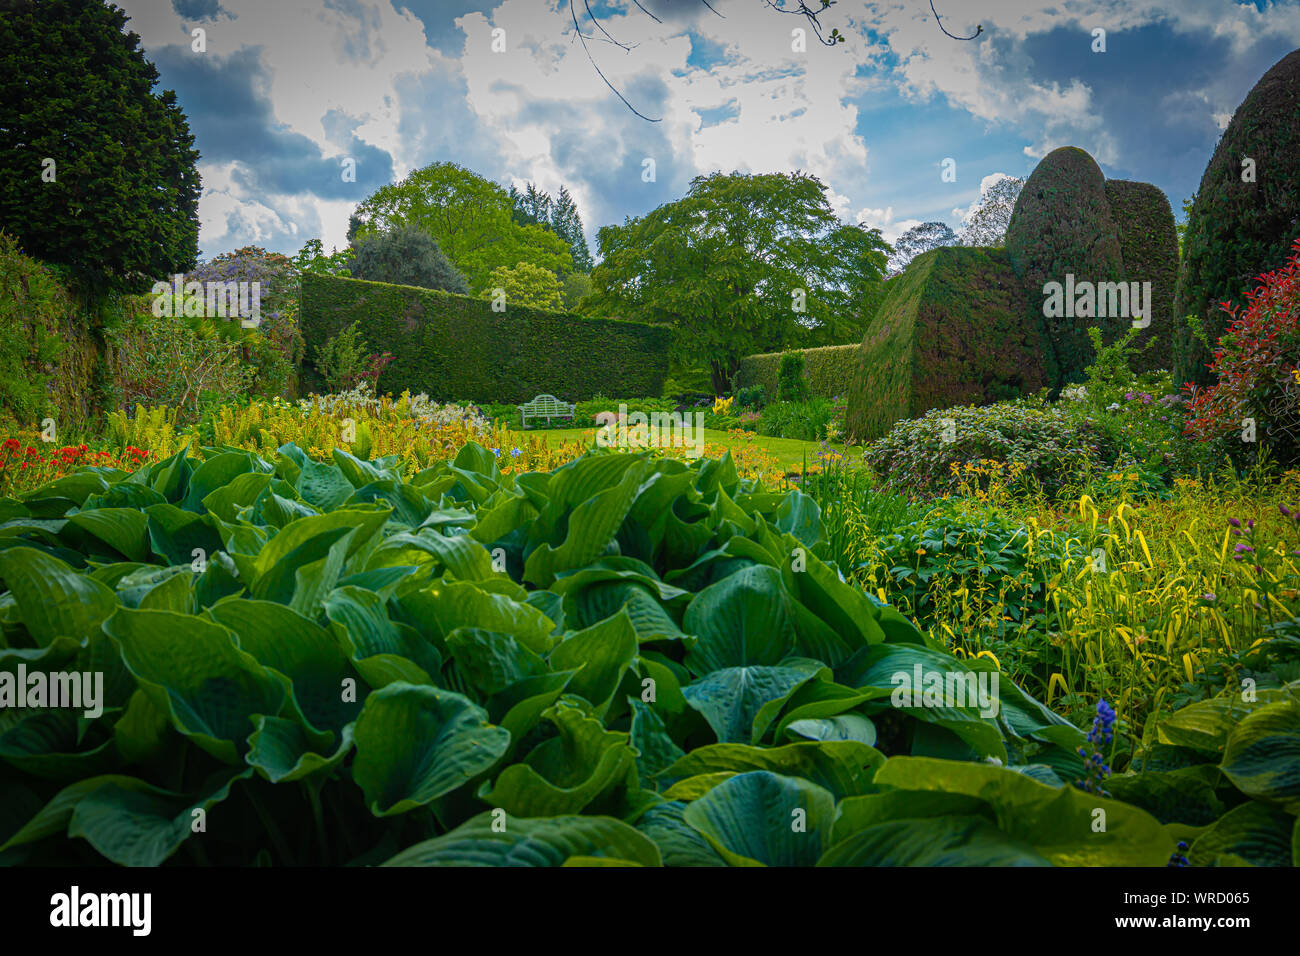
[[1049, 448], [953, 330], [470, 218], [527, 285], [577, 286], [405, 255], [457, 348], [791, 386], [75, 88], [342, 359], [773, 682], [1149, 247], [805, 420], [1137, 416], [34, 309], [1238, 230], [1062, 225], [742, 264], [828, 371], [751, 396], [312, 258]]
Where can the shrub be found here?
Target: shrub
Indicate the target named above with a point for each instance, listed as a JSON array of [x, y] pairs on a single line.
[[790, 383], [405, 255], [953, 330], [457, 348], [75, 87], [806, 421], [1039, 445], [342, 360], [1063, 224], [1237, 229], [1257, 365], [751, 396], [1148, 240], [1138, 417], [528, 285], [273, 349]]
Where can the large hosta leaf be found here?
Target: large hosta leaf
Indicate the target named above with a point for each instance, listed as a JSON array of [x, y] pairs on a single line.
[[764, 818], [1257, 833], [1061, 823], [942, 841], [54, 600], [497, 839], [416, 743], [194, 670], [742, 621], [601, 654], [731, 699], [1263, 755], [143, 827], [842, 767], [568, 772]]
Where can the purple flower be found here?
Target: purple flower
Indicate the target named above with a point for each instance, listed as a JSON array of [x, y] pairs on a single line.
[[1234, 522]]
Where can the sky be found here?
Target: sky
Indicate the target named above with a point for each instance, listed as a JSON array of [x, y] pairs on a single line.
[[282, 92]]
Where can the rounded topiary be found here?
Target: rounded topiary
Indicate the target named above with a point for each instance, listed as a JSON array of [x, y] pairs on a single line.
[[1239, 229], [406, 255], [1149, 247], [1062, 224]]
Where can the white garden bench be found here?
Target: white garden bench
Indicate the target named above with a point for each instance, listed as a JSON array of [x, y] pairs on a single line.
[[546, 406]]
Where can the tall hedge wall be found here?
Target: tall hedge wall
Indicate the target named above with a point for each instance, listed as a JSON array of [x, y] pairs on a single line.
[[1238, 229], [1148, 242], [1063, 224], [456, 348], [953, 330], [829, 370]]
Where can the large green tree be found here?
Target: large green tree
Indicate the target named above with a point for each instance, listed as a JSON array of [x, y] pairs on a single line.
[[97, 171], [742, 264], [471, 218]]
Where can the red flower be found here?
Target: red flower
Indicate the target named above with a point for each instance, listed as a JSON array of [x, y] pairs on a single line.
[[12, 444]]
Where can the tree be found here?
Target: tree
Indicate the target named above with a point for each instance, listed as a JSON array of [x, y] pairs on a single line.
[[405, 255], [986, 224], [312, 258], [532, 207], [919, 239], [567, 224], [742, 264], [97, 172], [528, 285], [577, 286], [471, 219]]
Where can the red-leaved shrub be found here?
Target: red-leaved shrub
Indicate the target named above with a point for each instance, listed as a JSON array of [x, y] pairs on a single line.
[[1256, 398]]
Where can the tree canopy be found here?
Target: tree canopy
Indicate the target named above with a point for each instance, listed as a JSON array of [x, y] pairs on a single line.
[[97, 171], [743, 263], [471, 218]]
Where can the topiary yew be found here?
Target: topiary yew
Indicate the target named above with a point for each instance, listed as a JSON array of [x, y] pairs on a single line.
[[1149, 248], [1245, 216], [1062, 224], [952, 331]]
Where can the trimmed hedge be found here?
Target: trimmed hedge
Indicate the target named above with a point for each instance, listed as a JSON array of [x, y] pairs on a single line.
[[1062, 224], [1238, 230], [953, 330], [456, 348], [1149, 247], [829, 371]]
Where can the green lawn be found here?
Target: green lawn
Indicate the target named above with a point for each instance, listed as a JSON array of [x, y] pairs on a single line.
[[790, 452]]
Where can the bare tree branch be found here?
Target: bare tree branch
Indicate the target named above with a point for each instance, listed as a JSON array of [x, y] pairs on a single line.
[[939, 20]]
